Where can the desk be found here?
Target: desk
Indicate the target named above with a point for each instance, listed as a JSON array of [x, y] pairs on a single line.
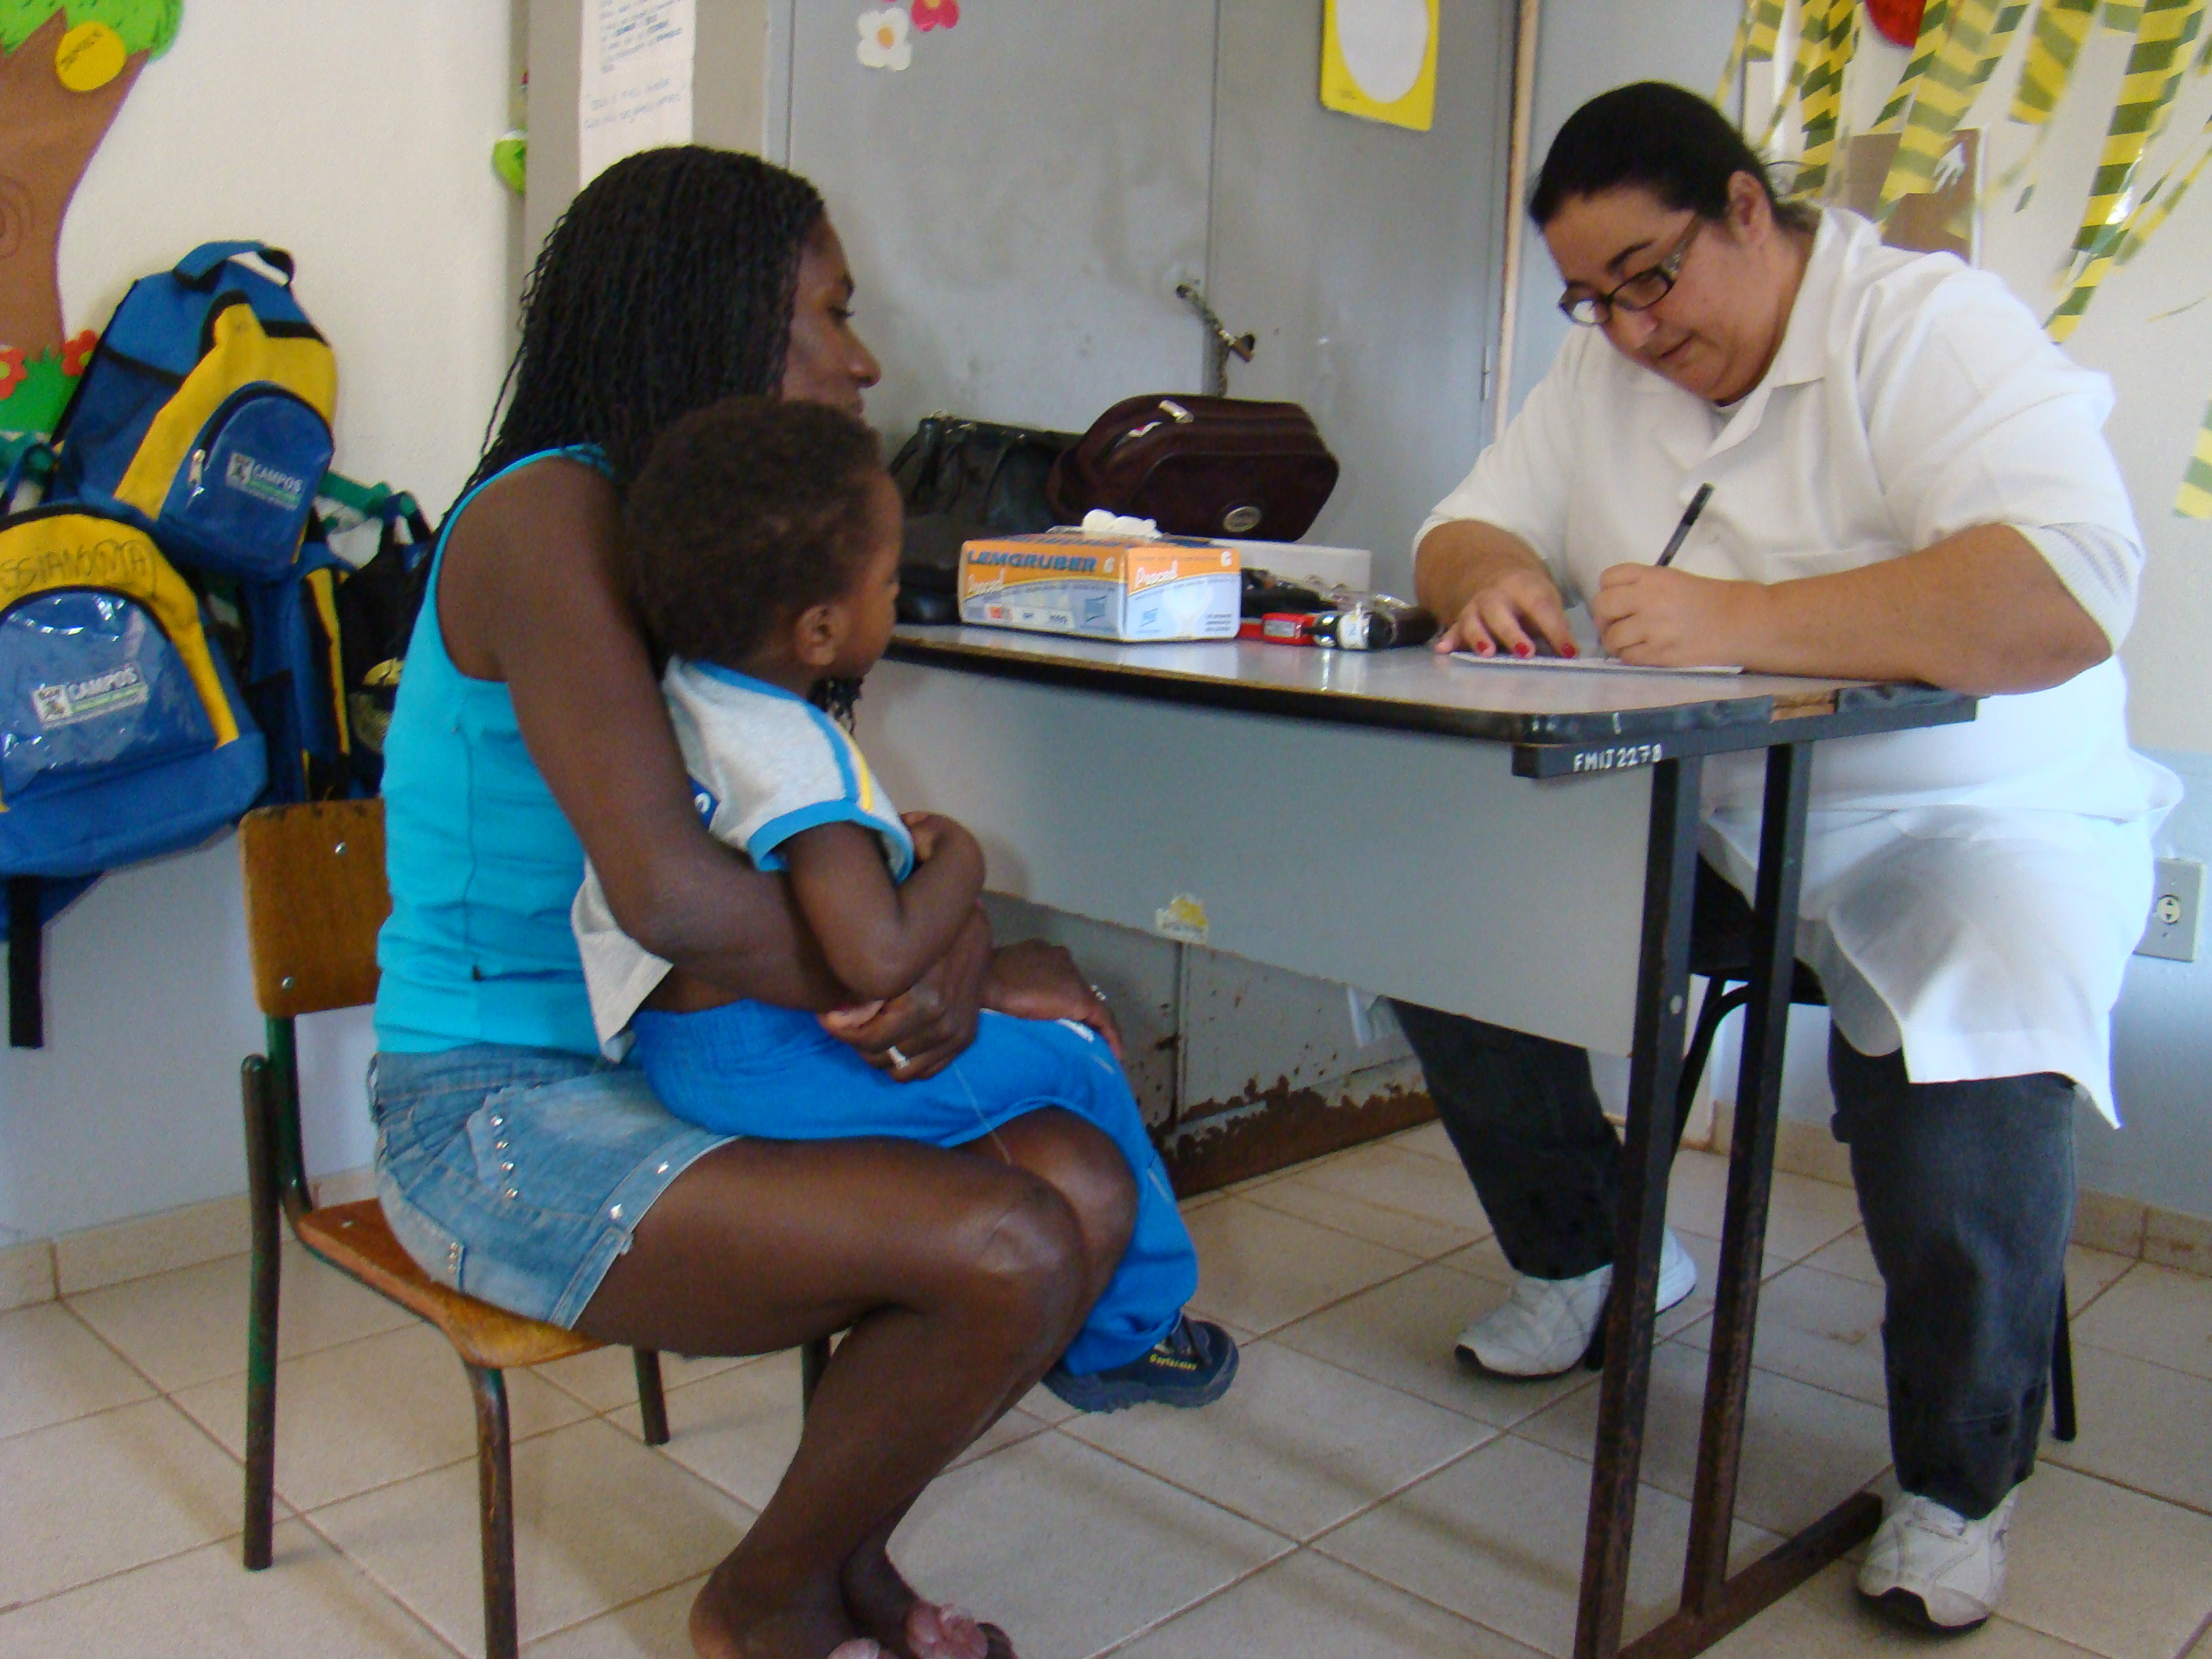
[[1535, 839]]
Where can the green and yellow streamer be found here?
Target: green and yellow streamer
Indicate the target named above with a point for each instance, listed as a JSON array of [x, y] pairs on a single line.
[[1756, 32], [2154, 70], [1833, 32], [1978, 33], [2061, 26], [1935, 24], [2194, 499]]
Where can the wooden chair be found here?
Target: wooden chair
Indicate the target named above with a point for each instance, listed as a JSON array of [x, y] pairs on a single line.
[[314, 899]]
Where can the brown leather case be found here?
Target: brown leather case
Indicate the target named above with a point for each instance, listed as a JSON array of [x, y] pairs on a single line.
[[1200, 467]]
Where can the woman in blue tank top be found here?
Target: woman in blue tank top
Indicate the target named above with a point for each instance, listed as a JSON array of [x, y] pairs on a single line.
[[512, 1161]]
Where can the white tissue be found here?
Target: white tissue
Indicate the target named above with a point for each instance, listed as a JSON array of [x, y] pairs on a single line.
[[1099, 522]]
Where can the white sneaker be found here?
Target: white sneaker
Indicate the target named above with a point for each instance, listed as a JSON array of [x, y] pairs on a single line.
[[1932, 1567], [1545, 1326]]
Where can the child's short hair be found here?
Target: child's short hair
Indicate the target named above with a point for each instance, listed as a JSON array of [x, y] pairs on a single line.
[[747, 512]]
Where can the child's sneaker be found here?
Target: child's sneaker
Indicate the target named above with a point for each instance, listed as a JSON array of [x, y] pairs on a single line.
[[1191, 1365]]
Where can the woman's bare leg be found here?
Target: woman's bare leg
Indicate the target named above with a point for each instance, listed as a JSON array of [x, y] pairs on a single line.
[[1079, 1163], [958, 1278]]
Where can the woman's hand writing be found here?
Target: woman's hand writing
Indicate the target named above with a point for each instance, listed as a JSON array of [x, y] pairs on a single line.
[[1669, 619]]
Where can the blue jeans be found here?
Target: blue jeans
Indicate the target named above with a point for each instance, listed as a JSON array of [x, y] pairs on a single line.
[[747, 1068]]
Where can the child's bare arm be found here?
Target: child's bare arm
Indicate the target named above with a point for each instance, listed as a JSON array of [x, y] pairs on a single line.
[[877, 938]]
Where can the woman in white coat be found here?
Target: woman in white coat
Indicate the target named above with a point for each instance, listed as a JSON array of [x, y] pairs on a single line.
[[1910, 482]]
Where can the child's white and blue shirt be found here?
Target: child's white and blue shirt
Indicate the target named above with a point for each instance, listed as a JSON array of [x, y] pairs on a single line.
[[764, 764]]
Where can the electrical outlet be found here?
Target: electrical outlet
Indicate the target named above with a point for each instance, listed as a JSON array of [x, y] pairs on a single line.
[[2176, 898]]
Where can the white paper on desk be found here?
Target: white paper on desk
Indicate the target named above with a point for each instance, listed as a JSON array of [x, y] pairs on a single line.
[[1583, 664], [635, 91]]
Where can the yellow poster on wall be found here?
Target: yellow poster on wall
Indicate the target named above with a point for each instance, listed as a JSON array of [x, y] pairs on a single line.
[[1378, 60]]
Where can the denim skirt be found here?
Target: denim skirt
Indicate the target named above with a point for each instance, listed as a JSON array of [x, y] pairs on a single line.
[[517, 1176]]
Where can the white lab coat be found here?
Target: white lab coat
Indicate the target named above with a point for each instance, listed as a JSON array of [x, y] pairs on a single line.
[[1972, 892]]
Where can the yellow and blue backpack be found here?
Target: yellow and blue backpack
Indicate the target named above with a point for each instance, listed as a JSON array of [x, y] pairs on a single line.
[[204, 415], [184, 469]]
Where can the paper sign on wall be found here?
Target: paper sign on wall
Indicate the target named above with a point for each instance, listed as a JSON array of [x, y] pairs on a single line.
[[635, 91], [1378, 59]]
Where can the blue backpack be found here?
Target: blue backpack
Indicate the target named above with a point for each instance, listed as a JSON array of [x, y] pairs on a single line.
[[184, 468], [204, 415], [123, 734]]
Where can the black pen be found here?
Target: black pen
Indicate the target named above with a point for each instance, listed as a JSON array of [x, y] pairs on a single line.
[[1682, 530]]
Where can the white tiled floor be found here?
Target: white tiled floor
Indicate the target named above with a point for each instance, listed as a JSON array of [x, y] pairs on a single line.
[[1356, 1497]]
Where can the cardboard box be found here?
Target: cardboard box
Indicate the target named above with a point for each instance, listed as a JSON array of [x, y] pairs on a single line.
[[1061, 581]]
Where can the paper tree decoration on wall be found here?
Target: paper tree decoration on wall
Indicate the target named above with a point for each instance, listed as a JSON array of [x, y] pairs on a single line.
[[1378, 59], [65, 71]]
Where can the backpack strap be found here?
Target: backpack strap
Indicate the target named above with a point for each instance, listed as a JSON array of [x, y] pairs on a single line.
[[26, 930], [198, 269], [34, 460]]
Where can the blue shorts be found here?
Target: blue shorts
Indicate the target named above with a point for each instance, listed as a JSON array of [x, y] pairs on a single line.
[[517, 1175], [748, 1069]]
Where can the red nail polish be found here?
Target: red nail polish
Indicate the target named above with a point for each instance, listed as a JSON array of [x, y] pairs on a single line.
[[1485, 649], [1524, 649], [1571, 651]]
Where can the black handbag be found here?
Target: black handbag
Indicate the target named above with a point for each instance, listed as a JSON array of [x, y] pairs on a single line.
[[961, 479]]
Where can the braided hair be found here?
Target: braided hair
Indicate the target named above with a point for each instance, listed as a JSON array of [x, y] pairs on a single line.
[[666, 285]]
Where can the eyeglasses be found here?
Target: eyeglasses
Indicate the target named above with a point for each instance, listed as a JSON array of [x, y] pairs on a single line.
[[1639, 293]]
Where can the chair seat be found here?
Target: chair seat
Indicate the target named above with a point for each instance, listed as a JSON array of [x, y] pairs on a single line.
[[356, 1239]]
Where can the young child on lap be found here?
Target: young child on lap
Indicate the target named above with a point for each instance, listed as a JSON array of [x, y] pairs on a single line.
[[762, 539]]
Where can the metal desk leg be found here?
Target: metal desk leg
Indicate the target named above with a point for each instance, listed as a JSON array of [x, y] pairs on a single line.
[[1713, 1604], [1661, 990]]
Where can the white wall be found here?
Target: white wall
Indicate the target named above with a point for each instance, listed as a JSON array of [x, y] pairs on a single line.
[[358, 137]]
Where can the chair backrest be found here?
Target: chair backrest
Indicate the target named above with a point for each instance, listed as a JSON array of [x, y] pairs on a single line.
[[315, 897]]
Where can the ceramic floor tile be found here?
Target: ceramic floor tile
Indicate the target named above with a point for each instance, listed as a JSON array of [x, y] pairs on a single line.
[[600, 1521], [1824, 1618], [1417, 1236], [1694, 1308], [1261, 1268], [736, 1430], [2111, 1570], [1498, 1538], [1802, 1214], [1296, 1444], [365, 1413], [1483, 1260], [2141, 1424], [658, 1627], [1430, 1140], [1818, 1328], [2155, 1314], [189, 1325], [1804, 1450], [1401, 1333], [103, 1493], [52, 1368], [202, 1605], [1071, 1551], [606, 1378], [1385, 1192], [1312, 1608]]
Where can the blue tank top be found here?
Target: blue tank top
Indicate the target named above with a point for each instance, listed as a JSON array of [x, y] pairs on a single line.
[[482, 864]]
